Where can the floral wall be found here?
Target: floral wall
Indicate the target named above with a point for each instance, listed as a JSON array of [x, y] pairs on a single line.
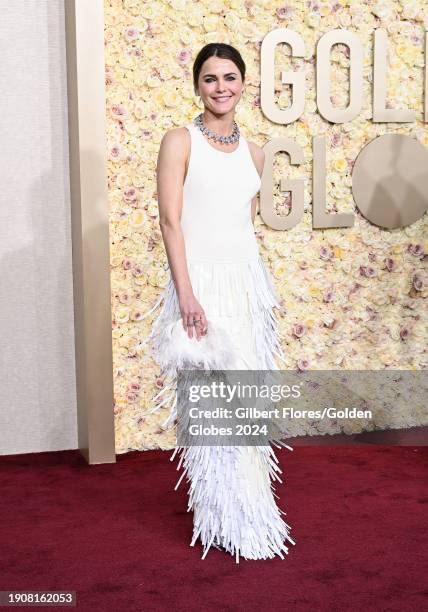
[[352, 298]]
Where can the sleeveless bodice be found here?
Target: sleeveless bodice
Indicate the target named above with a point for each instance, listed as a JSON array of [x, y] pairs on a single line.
[[217, 193]]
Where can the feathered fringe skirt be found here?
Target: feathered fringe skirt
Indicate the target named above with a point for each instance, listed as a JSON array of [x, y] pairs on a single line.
[[231, 487]]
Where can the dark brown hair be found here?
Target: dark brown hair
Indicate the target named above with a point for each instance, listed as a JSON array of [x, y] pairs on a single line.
[[218, 50]]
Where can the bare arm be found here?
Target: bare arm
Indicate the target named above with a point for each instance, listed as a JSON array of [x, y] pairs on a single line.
[[258, 156], [170, 172]]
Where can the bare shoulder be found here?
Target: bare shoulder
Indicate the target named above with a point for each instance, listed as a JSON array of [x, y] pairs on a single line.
[[258, 156], [175, 143], [175, 136]]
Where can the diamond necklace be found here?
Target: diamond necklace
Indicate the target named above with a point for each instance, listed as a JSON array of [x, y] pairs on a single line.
[[198, 122]]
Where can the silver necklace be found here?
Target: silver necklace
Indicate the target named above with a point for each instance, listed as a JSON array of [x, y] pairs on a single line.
[[234, 137]]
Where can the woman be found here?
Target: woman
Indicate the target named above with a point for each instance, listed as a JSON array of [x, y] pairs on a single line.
[[218, 304]]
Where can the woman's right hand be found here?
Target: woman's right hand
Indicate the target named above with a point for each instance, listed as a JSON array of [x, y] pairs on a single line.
[[192, 311]]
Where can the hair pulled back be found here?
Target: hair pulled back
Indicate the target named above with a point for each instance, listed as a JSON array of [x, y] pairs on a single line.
[[221, 50]]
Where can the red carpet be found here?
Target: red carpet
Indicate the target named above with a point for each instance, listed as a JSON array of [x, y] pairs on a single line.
[[118, 534]]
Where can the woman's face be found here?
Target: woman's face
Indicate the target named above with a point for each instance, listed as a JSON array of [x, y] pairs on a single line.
[[220, 85]]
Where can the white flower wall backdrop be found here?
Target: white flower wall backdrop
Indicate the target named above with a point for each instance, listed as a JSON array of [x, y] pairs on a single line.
[[352, 298]]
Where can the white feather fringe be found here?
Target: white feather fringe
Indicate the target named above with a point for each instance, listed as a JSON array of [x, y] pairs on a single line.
[[231, 488]]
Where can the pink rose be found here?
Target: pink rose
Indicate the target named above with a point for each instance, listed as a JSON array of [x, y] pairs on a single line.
[[298, 330], [184, 57], [302, 364], [390, 264]]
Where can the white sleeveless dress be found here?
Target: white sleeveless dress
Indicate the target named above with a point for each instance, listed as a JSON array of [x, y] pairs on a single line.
[[231, 490]]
